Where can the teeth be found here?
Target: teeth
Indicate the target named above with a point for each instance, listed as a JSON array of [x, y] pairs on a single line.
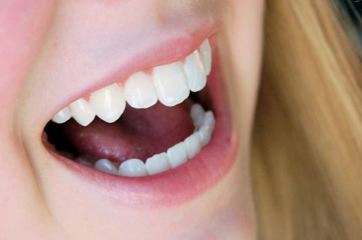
[[62, 116], [133, 168], [195, 72], [193, 145], [157, 164], [177, 155], [206, 53], [207, 128], [106, 166], [108, 103], [140, 92], [197, 115], [170, 83], [82, 112]]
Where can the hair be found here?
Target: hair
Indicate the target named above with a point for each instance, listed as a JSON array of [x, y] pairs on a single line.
[[307, 140]]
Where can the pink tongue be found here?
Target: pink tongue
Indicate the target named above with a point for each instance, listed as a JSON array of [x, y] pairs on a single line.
[[137, 134]]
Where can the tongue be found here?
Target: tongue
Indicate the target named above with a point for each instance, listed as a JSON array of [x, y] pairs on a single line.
[[137, 134]]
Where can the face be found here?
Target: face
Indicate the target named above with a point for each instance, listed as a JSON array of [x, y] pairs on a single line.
[[127, 119]]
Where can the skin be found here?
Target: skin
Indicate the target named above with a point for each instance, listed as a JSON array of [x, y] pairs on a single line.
[[43, 199]]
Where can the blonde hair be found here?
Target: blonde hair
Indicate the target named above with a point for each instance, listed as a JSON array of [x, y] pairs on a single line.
[[307, 142]]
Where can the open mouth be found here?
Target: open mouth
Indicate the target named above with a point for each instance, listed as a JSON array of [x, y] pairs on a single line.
[[165, 130]]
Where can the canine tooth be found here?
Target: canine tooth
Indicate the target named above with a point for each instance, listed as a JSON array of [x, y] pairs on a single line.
[[157, 164], [193, 145], [140, 91], [197, 115], [195, 72], [106, 166], [177, 155], [108, 103], [82, 112], [206, 53], [133, 168], [170, 83], [62, 116]]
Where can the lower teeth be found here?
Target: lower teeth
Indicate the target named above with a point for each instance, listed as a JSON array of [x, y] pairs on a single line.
[[175, 156]]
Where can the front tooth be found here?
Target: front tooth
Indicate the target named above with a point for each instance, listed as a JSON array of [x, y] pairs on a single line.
[[195, 72], [106, 166], [108, 103], [177, 155], [62, 116], [206, 54], [140, 91], [133, 168], [82, 112], [193, 145], [170, 83], [197, 115], [157, 164]]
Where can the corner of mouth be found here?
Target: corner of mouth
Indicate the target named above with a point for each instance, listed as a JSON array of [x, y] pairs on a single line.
[[155, 184]]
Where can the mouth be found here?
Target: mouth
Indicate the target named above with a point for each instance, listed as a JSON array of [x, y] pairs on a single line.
[[162, 136]]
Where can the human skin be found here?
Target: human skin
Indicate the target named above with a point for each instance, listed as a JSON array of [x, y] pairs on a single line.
[[43, 199]]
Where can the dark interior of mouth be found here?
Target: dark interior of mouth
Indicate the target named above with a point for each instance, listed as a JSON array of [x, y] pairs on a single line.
[[139, 133]]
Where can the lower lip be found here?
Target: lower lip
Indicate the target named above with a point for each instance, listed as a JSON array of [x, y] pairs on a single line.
[[181, 184]]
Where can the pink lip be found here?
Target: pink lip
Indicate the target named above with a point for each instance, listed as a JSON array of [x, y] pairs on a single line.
[[188, 181], [178, 185], [174, 49]]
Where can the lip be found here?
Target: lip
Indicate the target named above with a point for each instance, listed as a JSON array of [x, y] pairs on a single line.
[[179, 185], [182, 184], [164, 52]]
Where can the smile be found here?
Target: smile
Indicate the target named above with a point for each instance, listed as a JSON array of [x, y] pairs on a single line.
[[164, 132]]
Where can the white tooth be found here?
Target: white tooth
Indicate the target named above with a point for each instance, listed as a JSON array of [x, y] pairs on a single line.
[[157, 164], [209, 120], [206, 53], [197, 115], [108, 103], [193, 145], [170, 83], [133, 168], [207, 128], [82, 112], [195, 72], [62, 116], [205, 135], [140, 91], [106, 166], [177, 155]]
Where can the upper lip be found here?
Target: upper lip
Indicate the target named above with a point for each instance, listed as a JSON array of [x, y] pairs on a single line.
[[165, 51], [189, 180]]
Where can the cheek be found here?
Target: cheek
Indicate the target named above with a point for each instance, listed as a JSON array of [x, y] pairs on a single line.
[[22, 27]]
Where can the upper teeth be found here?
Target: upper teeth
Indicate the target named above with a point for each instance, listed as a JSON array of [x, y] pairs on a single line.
[[170, 84]]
